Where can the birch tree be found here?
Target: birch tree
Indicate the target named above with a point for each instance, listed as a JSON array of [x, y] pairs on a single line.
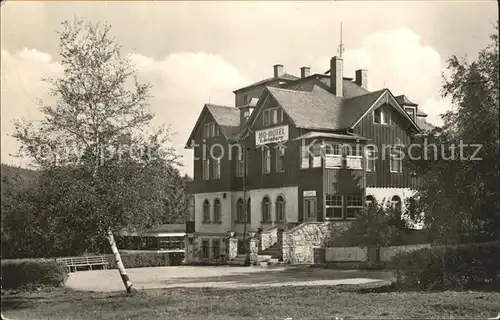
[[96, 133]]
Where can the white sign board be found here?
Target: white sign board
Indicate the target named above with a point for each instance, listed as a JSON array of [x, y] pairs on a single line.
[[271, 135], [310, 193]]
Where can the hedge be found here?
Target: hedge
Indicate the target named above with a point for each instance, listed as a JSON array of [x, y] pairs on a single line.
[[33, 273], [472, 266], [147, 259]]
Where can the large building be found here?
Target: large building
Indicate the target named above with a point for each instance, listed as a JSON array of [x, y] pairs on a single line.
[[295, 150]]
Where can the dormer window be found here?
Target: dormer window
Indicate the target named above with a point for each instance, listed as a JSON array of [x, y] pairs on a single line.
[[210, 130], [272, 116], [381, 116], [412, 112], [246, 99]]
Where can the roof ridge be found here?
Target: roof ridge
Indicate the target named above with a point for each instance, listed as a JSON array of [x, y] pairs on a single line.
[[365, 94], [219, 105], [283, 89]]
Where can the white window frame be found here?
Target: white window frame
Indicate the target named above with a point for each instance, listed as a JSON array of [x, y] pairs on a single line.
[[333, 155], [331, 203], [218, 247], [316, 159], [369, 202], [206, 169], [240, 165], [304, 158], [246, 114], [217, 207], [371, 158], [350, 205], [385, 115], [240, 214], [412, 113], [392, 157], [206, 214], [266, 160], [216, 168], [280, 159], [280, 209], [396, 203], [353, 157], [268, 205], [207, 241], [266, 117]]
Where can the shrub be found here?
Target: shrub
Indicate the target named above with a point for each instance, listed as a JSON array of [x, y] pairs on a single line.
[[147, 259], [472, 266], [31, 273]]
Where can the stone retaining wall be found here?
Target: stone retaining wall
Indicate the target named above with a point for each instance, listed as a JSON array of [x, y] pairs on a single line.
[[299, 243]]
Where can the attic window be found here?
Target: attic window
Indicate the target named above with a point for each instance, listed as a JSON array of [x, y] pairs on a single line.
[[381, 116], [412, 112], [246, 99], [210, 130], [272, 116], [246, 114]]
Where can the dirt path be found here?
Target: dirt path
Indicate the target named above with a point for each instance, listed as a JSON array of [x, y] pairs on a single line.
[[222, 276]]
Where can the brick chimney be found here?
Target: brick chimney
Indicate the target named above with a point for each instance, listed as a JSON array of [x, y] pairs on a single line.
[[304, 72], [361, 78], [336, 85], [278, 70]]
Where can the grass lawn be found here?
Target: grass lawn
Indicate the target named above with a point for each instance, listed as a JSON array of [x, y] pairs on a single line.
[[266, 303]]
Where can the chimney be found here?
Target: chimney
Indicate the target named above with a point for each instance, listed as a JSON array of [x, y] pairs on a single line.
[[278, 70], [336, 85], [304, 72], [361, 78]]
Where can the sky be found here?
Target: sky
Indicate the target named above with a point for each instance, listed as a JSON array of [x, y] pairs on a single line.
[[197, 52]]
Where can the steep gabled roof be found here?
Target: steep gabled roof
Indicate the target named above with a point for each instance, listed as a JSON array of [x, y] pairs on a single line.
[[224, 115], [404, 101], [355, 107], [350, 89], [319, 109], [283, 77], [228, 119], [316, 109]]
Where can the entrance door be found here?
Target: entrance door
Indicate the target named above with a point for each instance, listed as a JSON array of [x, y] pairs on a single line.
[[310, 209]]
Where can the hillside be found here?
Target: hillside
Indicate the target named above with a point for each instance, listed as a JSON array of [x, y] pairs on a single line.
[[16, 177]]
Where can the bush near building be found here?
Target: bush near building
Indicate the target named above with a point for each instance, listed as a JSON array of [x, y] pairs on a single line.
[[33, 273], [147, 259], [470, 266]]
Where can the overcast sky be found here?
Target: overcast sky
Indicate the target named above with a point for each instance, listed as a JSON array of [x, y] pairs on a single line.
[[196, 52]]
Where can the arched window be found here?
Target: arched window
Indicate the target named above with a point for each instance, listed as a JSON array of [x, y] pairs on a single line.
[[216, 210], [239, 211], [206, 211], [280, 209], [249, 212], [370, 201], [266, 210], [396, 202]]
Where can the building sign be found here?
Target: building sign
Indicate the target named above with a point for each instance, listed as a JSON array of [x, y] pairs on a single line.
[[310, 193], [271, 135]]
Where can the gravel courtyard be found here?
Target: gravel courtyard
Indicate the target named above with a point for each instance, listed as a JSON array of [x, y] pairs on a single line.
[[220, 276]]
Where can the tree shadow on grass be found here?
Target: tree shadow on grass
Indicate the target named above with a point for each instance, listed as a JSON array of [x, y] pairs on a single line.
[[273, 277]]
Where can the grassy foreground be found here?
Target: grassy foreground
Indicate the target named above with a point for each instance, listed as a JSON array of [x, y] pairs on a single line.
[[265, 303]]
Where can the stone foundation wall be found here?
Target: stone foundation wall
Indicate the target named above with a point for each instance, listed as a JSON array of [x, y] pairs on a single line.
[[268, 238], [299, 243]]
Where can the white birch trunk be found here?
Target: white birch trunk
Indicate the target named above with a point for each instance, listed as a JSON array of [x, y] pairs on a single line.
[[118, 259]]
